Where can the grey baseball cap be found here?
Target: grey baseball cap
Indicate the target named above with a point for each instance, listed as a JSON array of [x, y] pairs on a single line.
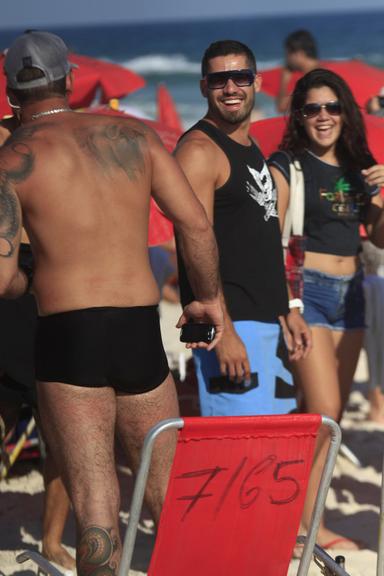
[[35, 49]]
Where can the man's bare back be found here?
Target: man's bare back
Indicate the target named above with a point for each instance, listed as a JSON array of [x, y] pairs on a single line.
[[84, 183]]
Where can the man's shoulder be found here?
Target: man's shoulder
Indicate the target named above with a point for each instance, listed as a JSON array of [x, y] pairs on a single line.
[[198, 145], [27, 134], [195, 135]]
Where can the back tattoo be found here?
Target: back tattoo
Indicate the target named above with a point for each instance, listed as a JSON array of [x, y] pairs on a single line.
[[114, 146]]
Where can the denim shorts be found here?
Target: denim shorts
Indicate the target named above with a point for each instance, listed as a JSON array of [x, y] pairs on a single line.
[[334, 302]]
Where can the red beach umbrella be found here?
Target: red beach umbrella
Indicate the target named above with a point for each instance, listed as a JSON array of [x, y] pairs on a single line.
[[113, 80], [160, 228], [268, 133], [92, 77], [166, 109], [364, 80]]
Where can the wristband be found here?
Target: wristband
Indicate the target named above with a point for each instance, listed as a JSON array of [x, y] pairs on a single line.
[[296, 303]]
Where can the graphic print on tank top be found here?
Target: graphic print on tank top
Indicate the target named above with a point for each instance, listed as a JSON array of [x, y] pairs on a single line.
[[265, 192]]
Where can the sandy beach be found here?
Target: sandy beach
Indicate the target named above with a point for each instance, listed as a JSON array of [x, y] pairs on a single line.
[[352, 504]]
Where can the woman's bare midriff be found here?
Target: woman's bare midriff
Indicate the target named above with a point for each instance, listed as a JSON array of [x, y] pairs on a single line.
[[331, 264]]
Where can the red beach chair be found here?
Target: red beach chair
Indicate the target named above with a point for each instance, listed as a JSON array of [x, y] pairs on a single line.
[[235, 496]]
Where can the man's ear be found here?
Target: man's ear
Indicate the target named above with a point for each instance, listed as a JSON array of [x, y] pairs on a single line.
[[258, 82], [203, 87]]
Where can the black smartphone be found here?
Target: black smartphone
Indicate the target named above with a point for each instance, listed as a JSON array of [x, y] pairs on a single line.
[[218, 384], [192, 332], [381, 101]]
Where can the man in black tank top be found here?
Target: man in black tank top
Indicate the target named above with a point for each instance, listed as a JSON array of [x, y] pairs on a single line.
[[246, 373]]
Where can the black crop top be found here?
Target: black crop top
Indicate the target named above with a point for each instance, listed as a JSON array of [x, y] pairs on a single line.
[[248, 236], [335, 203]]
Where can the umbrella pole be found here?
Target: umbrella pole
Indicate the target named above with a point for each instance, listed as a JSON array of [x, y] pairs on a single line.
[[18, 448]]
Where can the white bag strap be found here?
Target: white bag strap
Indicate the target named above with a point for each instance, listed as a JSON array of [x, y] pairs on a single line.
[[294, 217]]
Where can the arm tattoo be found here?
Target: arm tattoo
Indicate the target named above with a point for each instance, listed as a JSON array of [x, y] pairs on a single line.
[[114, 146], [9, 219], [97, 552], [18, 167]]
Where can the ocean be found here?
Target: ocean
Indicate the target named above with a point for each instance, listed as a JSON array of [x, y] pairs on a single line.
[[171, 52]]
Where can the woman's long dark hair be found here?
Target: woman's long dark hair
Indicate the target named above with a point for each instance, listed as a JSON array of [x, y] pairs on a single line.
[[352, 148]]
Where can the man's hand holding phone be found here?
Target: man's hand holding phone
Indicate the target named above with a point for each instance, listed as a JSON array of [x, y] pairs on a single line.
[[197, 332], [202, 319]]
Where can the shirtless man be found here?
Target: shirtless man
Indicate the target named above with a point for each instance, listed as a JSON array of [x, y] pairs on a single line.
[[81, 185]]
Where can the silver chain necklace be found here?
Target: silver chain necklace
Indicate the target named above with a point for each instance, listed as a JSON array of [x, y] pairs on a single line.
[[50, 112]]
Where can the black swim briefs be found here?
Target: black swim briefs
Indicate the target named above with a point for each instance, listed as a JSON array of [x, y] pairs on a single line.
[[103, 346]]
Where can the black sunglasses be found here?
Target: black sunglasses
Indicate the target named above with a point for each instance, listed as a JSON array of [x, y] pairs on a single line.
[[313, 109], [216, 80]]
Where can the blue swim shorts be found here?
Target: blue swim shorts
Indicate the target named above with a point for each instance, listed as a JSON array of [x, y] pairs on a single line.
[[271, 390], [334, 302]]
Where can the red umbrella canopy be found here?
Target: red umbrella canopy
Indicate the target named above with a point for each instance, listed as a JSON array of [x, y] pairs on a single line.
[[364, 80], [160, 228], [269, 133], [92, 77], [113, 80], [166, 109]]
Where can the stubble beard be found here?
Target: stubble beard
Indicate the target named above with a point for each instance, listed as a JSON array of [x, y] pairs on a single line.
[[236, 117]]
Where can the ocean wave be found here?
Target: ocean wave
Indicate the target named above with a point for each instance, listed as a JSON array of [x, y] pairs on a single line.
[[163, 63], [177, 64]]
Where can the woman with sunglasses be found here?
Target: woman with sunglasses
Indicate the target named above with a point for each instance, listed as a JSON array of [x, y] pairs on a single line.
[[326, 133]]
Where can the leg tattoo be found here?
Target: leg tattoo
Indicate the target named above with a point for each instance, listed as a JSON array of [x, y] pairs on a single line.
[[98, 552]]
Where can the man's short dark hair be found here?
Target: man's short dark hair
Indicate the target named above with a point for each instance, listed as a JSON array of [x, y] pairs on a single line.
[[224, 48], [55, 88], [301, 40]]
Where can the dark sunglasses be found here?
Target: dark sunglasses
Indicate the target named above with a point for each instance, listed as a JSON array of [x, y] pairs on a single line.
[[313, 109], [241, 78]]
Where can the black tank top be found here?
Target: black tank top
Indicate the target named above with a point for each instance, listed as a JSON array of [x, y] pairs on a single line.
[[248, 235]]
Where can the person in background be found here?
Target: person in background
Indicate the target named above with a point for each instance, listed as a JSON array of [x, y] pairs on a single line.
[[326, 133], [246, 373], [164, 268], [375, 105], [373, 261], [301, 55]]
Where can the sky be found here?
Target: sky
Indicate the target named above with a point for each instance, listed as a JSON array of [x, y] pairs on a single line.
[[27, 13]]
